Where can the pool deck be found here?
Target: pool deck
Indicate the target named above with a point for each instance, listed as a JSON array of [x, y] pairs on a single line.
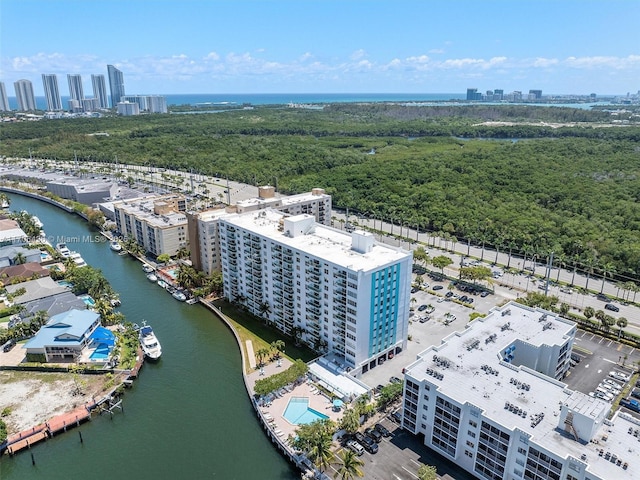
[[274, 414]]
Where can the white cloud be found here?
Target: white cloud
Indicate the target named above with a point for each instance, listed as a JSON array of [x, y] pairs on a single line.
[[358, 55], [307, 68]]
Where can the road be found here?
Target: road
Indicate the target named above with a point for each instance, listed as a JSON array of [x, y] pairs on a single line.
[[212, 188]]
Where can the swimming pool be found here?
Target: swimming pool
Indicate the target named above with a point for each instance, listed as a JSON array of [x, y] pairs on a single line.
[[101, 352], [298, 412], [89, 302]]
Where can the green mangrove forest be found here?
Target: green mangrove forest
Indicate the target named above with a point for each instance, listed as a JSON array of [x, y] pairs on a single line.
[[527, 179]]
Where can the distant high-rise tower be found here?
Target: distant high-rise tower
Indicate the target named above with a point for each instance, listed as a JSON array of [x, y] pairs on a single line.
[[4, 100], [537, 94], [100, 90], [75, 87], [473, 94], [25, 96], [116, 84], [51, 91]]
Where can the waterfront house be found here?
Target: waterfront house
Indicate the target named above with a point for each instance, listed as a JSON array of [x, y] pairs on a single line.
[[63, 337]]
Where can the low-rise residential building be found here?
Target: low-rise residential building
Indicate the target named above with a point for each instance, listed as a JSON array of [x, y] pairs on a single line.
[[11, 233], [340, 293], [35, 290], [491, 399], [158, 224], [10, 254]]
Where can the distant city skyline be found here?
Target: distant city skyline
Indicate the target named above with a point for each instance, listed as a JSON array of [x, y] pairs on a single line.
[[330, 46]]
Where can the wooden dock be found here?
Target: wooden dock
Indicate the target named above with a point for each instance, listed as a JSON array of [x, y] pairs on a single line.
[[59, 423], [136, 368], [69, 419], [26, 442]]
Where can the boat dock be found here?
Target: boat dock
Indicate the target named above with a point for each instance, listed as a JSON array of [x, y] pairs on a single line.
[[29, 437]]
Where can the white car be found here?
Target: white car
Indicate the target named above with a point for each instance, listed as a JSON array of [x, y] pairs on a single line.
[[619, 376]]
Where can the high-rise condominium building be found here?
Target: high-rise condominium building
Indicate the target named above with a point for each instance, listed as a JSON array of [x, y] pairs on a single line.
[[75, 87], [340, 293], [51, 91], [491, 399], [100, 90], [25, 96], [4, 100], [116, 85]]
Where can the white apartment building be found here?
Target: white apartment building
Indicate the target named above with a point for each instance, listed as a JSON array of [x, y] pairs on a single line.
[[203, 226], [316, 203], [341, 293], [490, 399], [158, 224]]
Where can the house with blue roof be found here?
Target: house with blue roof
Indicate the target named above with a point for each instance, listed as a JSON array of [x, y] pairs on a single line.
[[63, 337]]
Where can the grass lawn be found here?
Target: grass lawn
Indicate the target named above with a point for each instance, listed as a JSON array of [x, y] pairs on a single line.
[[251, 328]]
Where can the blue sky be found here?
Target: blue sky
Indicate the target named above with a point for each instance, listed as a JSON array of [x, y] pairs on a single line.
[[326, 46]]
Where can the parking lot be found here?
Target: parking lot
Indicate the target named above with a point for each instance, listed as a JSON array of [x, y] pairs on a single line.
[[400, 456], [596, 358]]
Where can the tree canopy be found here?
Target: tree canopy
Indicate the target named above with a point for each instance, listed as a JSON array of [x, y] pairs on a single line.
[[572, 188]]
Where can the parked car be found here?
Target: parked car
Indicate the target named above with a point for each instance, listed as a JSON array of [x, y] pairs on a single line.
[[375, 435], [438, 287], [618, 375], [397, 416], [395, 380], [355, 447], [612, 307], [414, 289], [422, 308], [424, 319], [449, 294], [603, 297], [382, 429], [367, 442], [484, 294]]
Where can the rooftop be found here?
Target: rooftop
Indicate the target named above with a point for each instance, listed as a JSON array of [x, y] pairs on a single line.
[[469, 367], [321, 241], [36, 289], [67, 328], [143, 209]]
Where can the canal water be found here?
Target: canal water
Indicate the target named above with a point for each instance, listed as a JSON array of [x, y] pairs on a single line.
[[186, 417]]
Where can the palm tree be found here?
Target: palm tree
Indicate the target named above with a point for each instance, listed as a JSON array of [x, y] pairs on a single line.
[[608, 269], [19, 259], [261, 354], [350, 466], [278, 346], [589, 264], [350, 420], [589, 312], [562, 263], [320, 453], [621, 323], [511, 246]]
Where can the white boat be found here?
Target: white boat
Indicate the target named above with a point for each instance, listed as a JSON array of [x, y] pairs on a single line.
[[149, 343], [115, 246], [63, 250], [36, 221], [152, 277], [163, 284], [77, 259], [178, 295], [147, 268], [5, 204]]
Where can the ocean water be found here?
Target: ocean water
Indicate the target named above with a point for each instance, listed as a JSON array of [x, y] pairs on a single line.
[[281, 98]]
